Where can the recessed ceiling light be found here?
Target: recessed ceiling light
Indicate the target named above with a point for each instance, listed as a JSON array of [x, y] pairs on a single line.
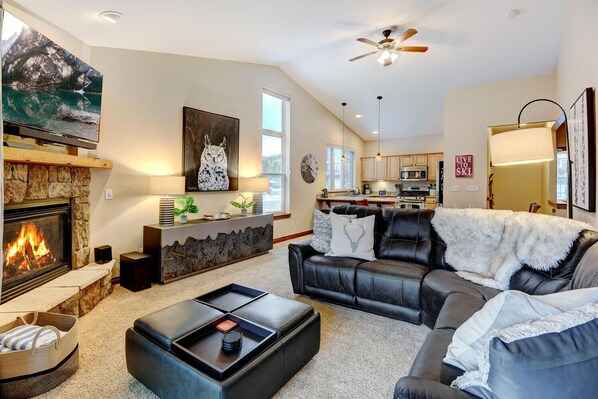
[[358, 116], [111, 16], [512, 13], [375, 132]]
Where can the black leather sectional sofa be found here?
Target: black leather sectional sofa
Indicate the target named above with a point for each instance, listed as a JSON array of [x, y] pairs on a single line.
[[411, 281]]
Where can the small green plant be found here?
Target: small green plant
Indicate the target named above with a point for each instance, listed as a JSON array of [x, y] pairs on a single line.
[[187, 206], [244, 204]]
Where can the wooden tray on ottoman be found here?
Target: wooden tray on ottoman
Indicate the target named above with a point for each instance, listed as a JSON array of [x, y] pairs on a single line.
[[230, 297], [202, 348]]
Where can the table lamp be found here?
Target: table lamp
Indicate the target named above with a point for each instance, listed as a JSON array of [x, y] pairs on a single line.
[[165, 186], [257, 186]]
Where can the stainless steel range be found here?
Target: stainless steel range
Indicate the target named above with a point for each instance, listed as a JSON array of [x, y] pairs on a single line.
[[412, 197]]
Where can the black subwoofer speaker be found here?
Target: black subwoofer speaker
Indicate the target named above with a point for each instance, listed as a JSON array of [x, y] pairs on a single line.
[[102, 254]]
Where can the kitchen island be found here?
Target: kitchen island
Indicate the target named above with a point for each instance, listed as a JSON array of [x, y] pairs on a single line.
[[374, 199]]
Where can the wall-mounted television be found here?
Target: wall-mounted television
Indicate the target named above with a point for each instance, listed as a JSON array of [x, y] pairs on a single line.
[[47, 92]]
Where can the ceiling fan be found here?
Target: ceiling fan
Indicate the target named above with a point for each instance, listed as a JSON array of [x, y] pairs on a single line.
[[389, 46]]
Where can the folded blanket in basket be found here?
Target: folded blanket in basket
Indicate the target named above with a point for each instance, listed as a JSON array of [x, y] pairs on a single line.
[[21, 338]]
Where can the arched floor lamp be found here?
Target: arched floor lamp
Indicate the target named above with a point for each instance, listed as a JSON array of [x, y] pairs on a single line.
[[524, 146]]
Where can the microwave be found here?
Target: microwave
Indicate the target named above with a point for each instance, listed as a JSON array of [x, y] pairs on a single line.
[[413, 173]]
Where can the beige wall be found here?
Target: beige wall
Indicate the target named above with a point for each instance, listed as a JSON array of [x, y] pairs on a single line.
[[577, 66], [141, 132], [467, 114]]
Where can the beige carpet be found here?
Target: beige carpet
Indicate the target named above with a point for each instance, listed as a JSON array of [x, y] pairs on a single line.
[[363, 359]]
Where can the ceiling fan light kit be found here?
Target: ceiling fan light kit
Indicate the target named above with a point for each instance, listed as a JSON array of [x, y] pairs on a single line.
[[390, 47]]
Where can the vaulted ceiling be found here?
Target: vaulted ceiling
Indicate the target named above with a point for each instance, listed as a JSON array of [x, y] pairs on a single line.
[[471, 42]]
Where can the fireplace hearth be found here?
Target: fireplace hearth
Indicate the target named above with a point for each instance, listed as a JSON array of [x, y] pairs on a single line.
[[36, 245]]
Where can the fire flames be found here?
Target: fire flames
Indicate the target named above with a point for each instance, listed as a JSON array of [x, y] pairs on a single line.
[[29, 251]]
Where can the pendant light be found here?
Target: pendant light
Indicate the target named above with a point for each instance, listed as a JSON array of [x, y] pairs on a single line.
[[378, 156], [343, 158]]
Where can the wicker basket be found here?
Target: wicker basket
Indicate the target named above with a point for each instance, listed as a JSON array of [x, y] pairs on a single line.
[[14, 365]]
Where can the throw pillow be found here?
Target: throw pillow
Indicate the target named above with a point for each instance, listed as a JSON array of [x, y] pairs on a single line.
[[504, 310], [352, 238], [323, 231], [21, 337], [552, 357]]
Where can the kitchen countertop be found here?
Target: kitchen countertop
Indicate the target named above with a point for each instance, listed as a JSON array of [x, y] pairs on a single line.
[[369, 197]]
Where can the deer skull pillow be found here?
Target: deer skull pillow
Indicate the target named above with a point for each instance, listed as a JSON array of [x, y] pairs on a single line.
[[352, 238]]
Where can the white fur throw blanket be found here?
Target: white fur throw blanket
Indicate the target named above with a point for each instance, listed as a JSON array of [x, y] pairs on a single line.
[[489, 246]]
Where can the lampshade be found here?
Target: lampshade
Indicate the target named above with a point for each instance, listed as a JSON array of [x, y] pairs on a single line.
[[255, 184], [522, 146], [167, 185]]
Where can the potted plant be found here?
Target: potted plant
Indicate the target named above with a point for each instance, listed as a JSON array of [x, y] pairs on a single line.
[[243, 205], [187, 207]]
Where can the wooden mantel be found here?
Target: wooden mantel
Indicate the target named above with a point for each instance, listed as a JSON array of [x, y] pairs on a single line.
[[51, 158]]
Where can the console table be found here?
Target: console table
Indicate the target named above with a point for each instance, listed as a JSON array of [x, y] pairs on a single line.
[[200, 245]]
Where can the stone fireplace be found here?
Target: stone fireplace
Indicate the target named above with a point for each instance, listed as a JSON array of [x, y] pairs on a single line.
[[60, 195]]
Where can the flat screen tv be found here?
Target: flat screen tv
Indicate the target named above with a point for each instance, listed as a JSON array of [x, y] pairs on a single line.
[[47, 92]]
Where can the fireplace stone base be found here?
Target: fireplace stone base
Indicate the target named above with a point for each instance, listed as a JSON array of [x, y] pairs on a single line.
[[75, 293]]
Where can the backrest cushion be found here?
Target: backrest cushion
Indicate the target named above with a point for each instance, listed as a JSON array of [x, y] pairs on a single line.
[[405, 235], [528, 280], [586, 274]]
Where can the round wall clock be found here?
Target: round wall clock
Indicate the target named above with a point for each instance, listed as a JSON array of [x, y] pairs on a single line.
[[309, 168]]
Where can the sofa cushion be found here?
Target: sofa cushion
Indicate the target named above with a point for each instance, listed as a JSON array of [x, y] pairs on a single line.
[[507, 309], [323, 231], [405, 235], [361, 212], [331, 273], [354, 238], [457, 309], [439, 284], [390, 281]]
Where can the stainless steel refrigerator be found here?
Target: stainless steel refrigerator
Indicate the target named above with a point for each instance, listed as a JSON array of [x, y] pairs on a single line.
[[439, 182]]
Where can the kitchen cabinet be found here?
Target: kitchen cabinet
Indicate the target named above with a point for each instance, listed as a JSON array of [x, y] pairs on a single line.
[[432, 159], [367, 169], [414, 160], [374, 170], [406, 160], [394, 168], [420, 160], [430, 202], [381, 169]]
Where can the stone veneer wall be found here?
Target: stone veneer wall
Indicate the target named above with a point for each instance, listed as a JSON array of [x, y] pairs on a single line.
[[38, 182]]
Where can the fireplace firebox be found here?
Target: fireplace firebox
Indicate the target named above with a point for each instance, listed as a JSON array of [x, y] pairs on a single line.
[[36, 245]]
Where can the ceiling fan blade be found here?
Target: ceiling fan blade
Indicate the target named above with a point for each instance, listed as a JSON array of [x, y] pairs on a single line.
[[363, 55], [406, 35], [414, 49], [367, 41]]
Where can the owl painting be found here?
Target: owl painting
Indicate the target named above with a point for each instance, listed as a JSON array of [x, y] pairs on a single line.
[[210, 151], [212, 175]]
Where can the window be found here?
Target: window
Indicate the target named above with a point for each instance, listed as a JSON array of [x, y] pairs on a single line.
[[339, 175], [275, 144], [561, 176]]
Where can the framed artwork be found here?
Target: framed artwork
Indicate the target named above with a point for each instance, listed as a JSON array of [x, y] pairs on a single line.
[[464, 165], [210, 151], [582, 143]]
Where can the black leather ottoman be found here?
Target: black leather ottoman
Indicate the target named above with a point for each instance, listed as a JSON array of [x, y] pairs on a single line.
[[150, 358]]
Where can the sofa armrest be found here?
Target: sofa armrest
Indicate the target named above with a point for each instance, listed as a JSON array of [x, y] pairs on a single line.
[[419, 388], [298, 253]]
